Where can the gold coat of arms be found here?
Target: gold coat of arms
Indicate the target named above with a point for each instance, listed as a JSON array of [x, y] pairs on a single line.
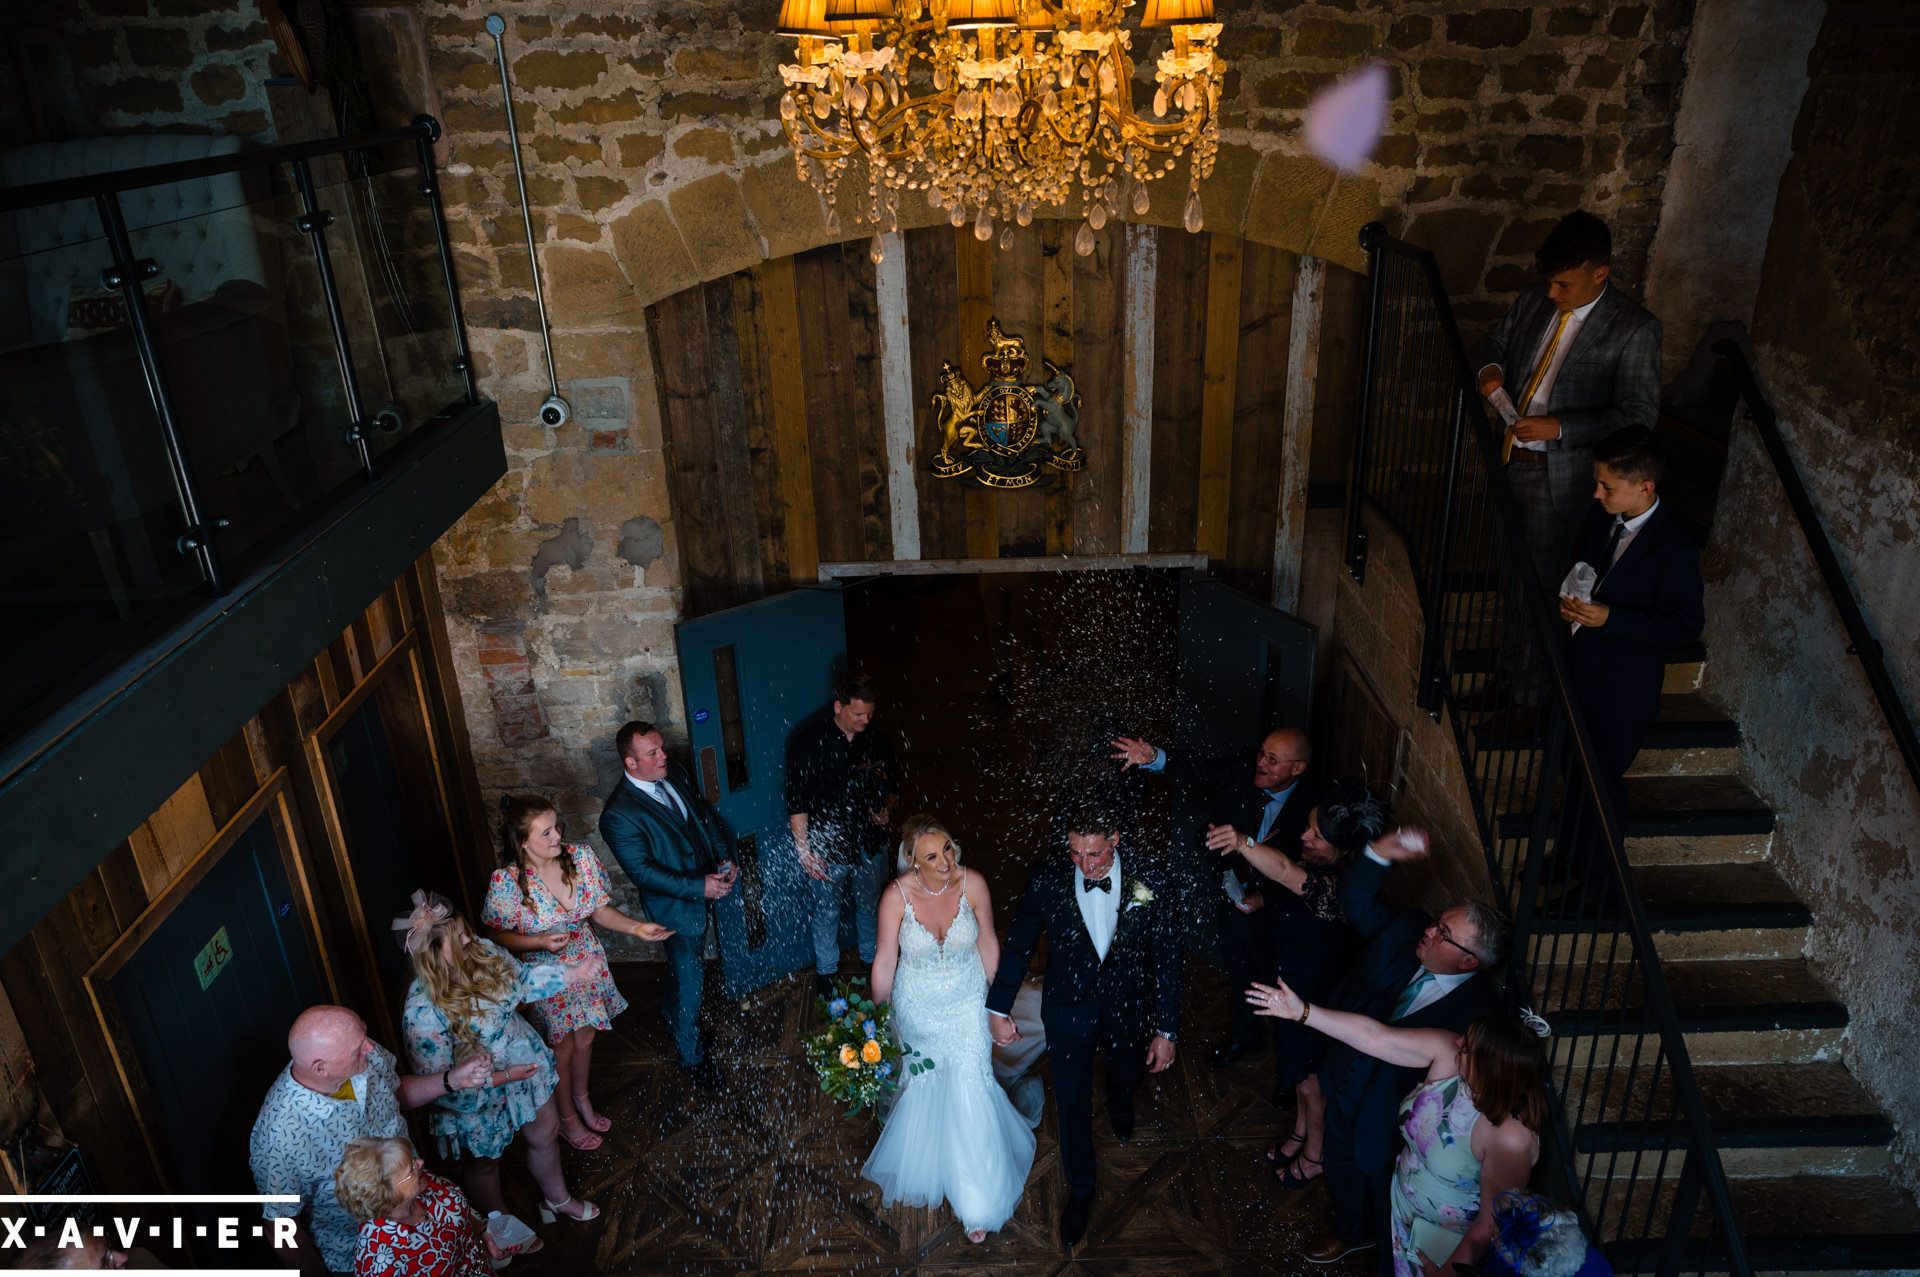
[[1006, 433]]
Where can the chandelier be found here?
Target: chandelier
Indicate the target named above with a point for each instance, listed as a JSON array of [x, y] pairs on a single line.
[[997, 108]]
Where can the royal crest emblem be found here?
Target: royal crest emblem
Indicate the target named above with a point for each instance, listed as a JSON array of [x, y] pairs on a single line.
[[1005, 434]]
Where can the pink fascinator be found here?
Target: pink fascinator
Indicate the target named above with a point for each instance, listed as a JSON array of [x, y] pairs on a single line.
[[1345, 120], [431, 910]]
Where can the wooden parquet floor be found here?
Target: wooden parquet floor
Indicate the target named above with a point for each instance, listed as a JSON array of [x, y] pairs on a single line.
[[764, 1177]]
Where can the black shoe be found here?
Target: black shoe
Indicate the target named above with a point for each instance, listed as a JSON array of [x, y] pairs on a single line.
[[1122, 1120], [823, 985], [705, 1075], [1230, 1053], [1073, 1220]]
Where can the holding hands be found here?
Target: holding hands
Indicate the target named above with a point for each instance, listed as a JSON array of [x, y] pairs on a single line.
[[1003, 1030], [1131, 752]]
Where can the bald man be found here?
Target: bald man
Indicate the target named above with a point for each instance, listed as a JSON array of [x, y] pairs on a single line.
[[339, 1085], [1260, 796]]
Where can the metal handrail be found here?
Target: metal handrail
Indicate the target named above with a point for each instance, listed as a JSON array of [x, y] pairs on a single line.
[[114, 181], [1860, 640], [1566, 742]]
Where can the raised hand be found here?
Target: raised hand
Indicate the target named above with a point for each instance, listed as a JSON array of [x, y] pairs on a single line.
[[1130, 751], [1224, 839], [1275, 1000], [1409, 842]]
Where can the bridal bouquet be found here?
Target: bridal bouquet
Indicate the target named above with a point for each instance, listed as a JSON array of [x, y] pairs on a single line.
[[856, 1055]]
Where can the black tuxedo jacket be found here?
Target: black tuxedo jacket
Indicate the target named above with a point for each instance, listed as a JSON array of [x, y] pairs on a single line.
[[1653, 596], [1136, 989], [667, 857], [1229, 797], [1366, 1091]]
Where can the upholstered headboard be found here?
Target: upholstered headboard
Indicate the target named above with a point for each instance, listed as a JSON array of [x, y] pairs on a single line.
[[200, 231]]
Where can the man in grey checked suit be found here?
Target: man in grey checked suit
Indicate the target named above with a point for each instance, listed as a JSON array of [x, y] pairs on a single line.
[[1578, 359]]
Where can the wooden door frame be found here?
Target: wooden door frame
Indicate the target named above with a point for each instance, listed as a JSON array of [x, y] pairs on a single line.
[[405, 653], [274, 800]]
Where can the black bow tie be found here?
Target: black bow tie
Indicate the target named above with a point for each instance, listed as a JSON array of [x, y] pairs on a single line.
[[1103, 884]]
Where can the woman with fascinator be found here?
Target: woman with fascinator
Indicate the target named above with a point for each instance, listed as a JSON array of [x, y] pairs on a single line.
[[464, 1001], [1472, 1126], [1312, 944]]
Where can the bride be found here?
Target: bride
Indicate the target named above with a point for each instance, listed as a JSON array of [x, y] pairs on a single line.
[[953, 1133]]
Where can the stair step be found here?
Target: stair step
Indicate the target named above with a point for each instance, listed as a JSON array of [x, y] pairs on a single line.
[[1679, 806], [1731, 1012], [1733, 911], [1688, 720], [1803, 1224]]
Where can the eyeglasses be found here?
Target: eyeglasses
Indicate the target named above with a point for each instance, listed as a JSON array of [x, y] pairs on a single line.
[[1440, 929], [412, 1171]]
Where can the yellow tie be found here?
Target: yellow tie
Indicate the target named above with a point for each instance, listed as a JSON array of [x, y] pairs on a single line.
[[1533, 382]]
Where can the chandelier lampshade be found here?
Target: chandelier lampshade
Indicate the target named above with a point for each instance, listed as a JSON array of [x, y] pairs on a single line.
[[803, 18], [1167, 13], [995, 109]]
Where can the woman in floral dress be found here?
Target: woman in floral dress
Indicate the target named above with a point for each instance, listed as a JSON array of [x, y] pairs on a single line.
[[412, 1222], [1472, 1126], [542, 903], [464, 1001]]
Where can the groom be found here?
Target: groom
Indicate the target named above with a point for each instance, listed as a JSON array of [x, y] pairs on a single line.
[[1112, 985]]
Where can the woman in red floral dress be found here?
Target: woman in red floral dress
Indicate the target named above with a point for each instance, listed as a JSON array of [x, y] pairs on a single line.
[[412, 1222], [541, 904]]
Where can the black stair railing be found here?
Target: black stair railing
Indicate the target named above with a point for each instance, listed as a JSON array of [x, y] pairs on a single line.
[[1631, 1147], [1861, 644]]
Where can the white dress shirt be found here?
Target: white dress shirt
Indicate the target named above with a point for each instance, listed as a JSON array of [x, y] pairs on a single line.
[[1099, 910], [1629, 528], [662, 792], [1543, 393], [1438, 987]]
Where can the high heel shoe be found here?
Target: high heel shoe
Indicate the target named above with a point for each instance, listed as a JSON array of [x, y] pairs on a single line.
[[586, 1141], [549, 1211], [599, 1122]]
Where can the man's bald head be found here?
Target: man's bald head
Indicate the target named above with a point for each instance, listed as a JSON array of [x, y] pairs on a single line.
[[327, 1045], [1284, 754]]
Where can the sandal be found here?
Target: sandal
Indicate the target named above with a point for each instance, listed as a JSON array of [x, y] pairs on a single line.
[[549, 1211], [1289, 1177], [1278, 1154], [597, 1122], [586, 1141]]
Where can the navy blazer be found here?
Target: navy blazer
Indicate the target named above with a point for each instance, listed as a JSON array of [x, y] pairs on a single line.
[[1227, 793], [1136, 988], [667, 857], [1653, 596], [1367, 1092]]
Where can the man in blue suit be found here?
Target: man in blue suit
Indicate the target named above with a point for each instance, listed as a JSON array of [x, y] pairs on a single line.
[[674, 847], [1416, 972], [1646, 602]]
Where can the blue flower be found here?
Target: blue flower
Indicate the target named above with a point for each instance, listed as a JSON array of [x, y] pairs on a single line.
[[869, 1027], [837, 1007], [883, 1069]]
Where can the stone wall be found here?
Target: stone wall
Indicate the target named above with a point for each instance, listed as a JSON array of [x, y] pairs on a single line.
[[1838, 348], [655, 161], [135, 66]]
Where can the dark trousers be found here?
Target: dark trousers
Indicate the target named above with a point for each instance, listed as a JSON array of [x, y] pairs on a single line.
[[1071, 1059], [1360, 1193], [680, 1000], [1246, 955]]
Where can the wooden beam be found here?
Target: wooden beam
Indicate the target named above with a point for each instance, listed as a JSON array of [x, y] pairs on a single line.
[[948, 567], [1218, 367], [1137, 379], [975, 262], [781, 315], [896, 395], [1303, 366]]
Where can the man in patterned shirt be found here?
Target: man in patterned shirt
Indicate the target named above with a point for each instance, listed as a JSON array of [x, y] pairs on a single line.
[[339, 1086]]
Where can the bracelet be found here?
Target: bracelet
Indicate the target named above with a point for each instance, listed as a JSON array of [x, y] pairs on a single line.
[[446, 1080], [1306, 1009]]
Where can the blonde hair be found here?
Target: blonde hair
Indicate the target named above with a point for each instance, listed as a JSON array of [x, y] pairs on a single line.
[[916, 828], [475, 974], [364, 1180]]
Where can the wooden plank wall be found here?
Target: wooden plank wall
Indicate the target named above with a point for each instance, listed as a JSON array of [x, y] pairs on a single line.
[[770, 399], [56, 1052]]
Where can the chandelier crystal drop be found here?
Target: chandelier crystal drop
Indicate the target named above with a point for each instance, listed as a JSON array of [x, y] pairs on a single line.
[[993, 108]]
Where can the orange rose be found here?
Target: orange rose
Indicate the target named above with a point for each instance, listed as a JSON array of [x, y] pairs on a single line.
[[849, 1057], [871, 1052]]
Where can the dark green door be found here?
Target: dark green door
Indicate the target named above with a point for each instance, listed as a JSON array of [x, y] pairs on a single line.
[[373, 808], [207, 1001]]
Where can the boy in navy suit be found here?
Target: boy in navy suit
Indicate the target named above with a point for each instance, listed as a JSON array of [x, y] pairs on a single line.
[[1645, 603]]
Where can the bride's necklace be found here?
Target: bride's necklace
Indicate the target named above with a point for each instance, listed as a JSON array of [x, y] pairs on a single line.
[[922, 883]]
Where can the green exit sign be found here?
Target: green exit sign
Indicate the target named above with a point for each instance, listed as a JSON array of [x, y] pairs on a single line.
[[213, 958]]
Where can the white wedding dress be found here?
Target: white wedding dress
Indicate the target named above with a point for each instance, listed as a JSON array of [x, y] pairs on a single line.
[[953, 1133]]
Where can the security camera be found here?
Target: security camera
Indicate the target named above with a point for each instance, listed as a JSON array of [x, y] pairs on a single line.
[[390, 420], [555, 411]]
